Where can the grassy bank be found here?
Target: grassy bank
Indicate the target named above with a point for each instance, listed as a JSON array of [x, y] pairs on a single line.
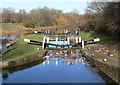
[[22, 49], [9, 25], [89, 35]]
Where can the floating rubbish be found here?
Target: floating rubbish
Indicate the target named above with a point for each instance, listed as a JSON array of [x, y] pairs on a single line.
[[96, 50], [114, 50], [105, 53], [94, 57], [105, 60], [65, 54], [89, 48], [71, 53], [99, 48], [107, 50], [110, 55]]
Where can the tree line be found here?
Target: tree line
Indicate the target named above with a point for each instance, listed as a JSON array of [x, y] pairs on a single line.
[[103, 18], [40, 17], [99, 17]]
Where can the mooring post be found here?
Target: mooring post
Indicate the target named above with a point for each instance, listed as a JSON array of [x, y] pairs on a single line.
[[76, 39], [79, 39], [83, 45], [43, 44]]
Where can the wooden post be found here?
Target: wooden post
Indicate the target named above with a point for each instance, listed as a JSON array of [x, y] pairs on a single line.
[[79, 39], [43, 44], [83, 45]]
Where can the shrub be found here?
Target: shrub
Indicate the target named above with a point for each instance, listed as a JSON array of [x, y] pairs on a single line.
[[11, 63], [29, 24]]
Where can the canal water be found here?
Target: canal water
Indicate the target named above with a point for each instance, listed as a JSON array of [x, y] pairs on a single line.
[[65, 68], [57, 70]]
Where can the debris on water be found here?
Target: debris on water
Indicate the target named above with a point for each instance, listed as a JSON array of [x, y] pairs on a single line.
[[65, 54], [99, 48], [92, 54], [105, 60], [89, 48], [71, 53], [107, 50], [110, 54], [57, 53], [96, 50], [105, 53], [114, 50], [94, 57]]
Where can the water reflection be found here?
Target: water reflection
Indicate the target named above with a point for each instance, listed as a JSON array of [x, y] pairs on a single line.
[[6, 72], [55, 70], [67, 60]]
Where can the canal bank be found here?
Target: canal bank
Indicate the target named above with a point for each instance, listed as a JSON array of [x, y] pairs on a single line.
[[22, 52], [23, 61], [110, 70]]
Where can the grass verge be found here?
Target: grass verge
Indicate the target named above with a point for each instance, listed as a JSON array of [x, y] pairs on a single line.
[[8, 25], [89, 35], [21, 49]]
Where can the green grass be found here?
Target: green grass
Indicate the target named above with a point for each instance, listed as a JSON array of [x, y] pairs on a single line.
[[85, 35], [9, 25], [90, 35], [22, 49]]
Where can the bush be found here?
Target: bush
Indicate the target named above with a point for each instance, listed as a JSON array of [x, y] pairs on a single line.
[[29, 24], [11, 63]]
